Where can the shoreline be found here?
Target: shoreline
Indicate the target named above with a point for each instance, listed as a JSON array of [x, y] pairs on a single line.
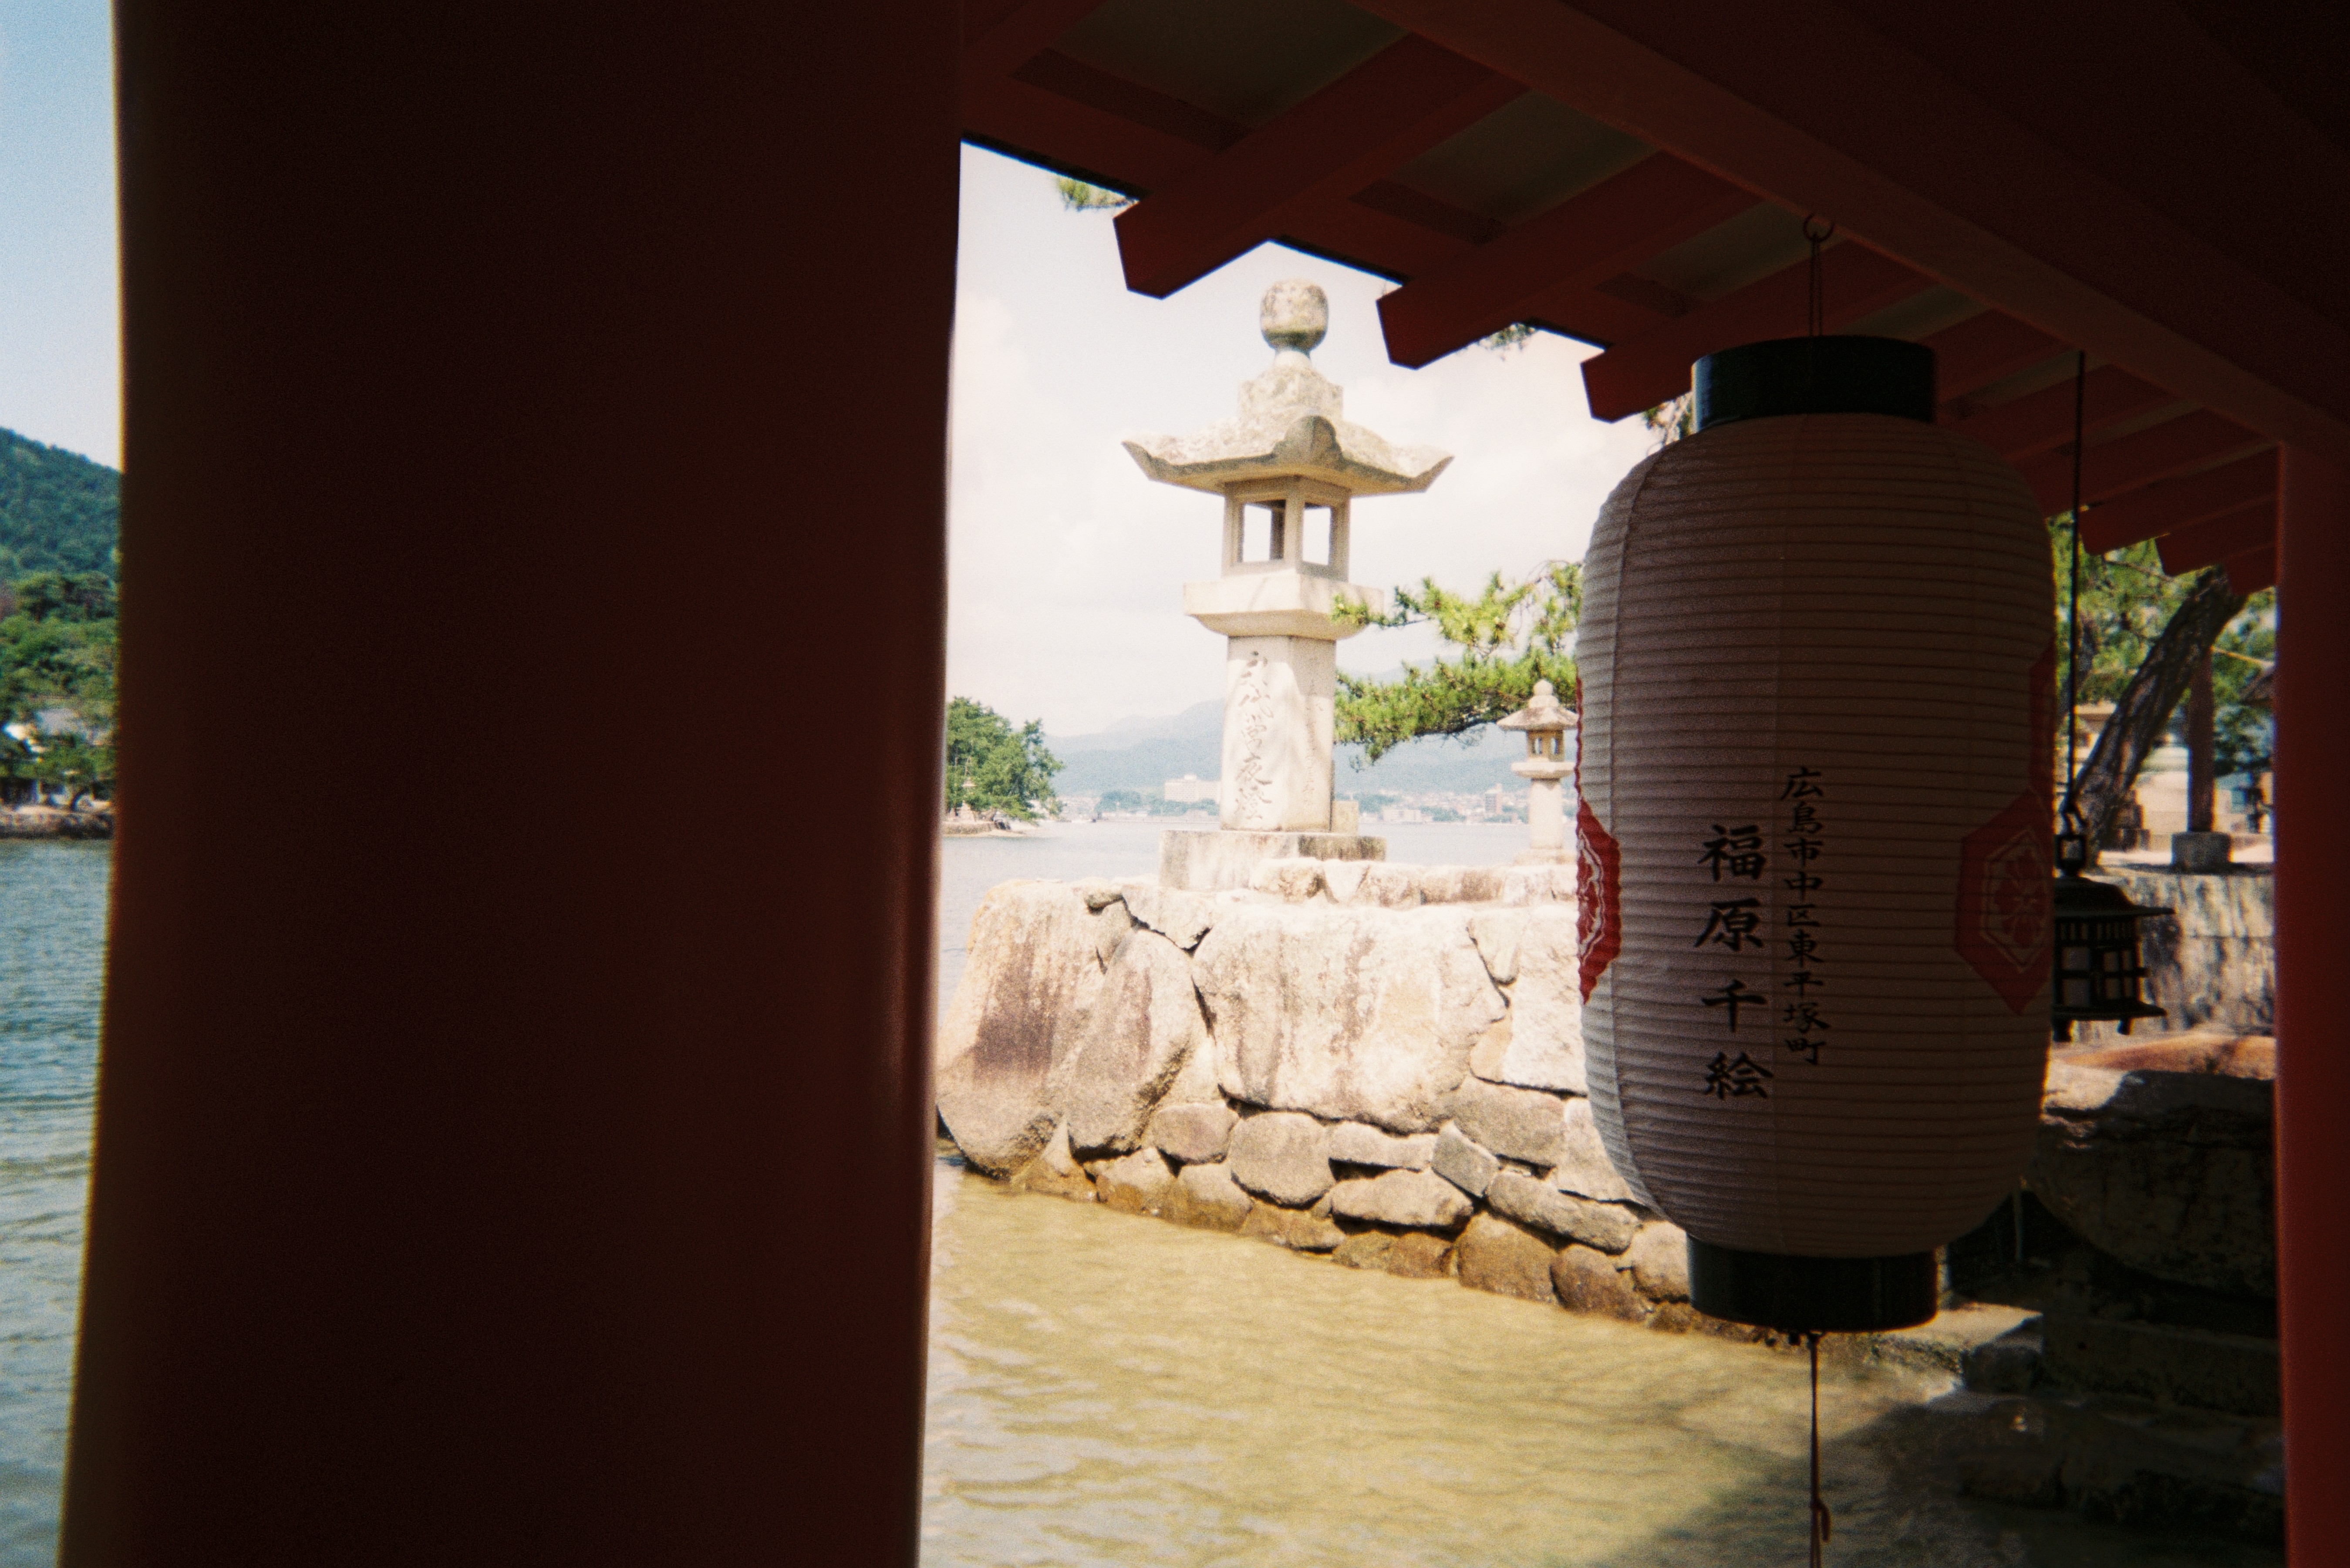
[[55, 822]]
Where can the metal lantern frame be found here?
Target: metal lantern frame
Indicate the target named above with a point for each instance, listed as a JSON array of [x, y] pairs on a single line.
[[2098, 951]]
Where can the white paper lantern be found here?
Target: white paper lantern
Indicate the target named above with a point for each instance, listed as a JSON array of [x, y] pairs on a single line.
[[1817, 691]]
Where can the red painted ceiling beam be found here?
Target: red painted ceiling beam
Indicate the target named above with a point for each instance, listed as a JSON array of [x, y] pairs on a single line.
[[2040, 421], [2208, 543], [2253, 570], [1001, 36], [1599, 316], [1580, 243], [1654, 368], [1385, 112], [1372, 239], [1067, 115], [2123, 464], [1364, 125], [1982, 349], [1806, 103], [2176, 503]]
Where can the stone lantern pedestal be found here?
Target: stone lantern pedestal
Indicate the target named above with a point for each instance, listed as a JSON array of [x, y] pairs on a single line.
[[1287, 468]]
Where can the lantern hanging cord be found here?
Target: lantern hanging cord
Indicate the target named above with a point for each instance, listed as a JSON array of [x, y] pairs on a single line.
[[1822, 1523], [2072, 617], [1819, 232]]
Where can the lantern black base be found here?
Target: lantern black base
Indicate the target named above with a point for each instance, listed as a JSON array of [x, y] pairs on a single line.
[[1812, 1295]]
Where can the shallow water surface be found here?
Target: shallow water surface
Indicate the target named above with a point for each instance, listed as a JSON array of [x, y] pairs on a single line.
[[1111, 1389], [52, 968], [1107, 1389]]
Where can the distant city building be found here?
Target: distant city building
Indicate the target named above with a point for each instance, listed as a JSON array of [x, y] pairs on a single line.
[[1192, 789]]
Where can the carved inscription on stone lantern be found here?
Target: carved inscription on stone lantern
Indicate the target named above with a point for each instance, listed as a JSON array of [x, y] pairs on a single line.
[[1287, 468]]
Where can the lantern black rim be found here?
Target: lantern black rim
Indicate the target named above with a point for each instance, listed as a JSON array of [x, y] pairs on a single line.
[[1812, 1295], [1827, 374]]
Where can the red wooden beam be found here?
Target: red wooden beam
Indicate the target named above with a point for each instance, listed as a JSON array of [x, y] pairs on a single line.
[[1079, 83], [2158, 509], [1810, 104], [2042, 419], [1372, 239], [1982, 349], [1600, 315], [2217, 539], [1654, 367], [2313, 1030], [1067, 115], [1382, 114], [1001, 36], [1581, 241], [2253, 570], [2123, 464]]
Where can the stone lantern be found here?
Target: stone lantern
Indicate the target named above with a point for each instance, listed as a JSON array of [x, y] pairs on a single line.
[[1287, 468], [1545, 721]]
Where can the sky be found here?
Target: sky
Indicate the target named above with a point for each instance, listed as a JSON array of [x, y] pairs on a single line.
[[1065, 586], [1067, 565], [60, 361]]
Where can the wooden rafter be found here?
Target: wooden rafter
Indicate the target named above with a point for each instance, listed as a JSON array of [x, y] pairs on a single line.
[[2158, 509], [1395, 106], [1545, 268], [2126, 463], [2219, 539]]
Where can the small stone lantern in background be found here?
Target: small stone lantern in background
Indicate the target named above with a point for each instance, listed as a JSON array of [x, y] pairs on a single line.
[[1545, 721]]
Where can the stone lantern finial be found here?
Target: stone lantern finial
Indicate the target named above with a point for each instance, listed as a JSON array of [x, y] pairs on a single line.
[[1295, 315]]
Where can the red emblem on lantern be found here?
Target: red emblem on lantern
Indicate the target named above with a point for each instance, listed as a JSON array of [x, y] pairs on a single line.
[[1597, 881], [2003, 900], [2004, 893]]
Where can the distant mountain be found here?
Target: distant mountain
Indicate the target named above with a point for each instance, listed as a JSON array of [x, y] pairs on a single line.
[[1202, 719], [1144, 753], [60, 512]]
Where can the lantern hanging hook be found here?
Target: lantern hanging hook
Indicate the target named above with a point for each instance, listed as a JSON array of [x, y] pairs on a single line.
[[2073, 615], [1819, 231]]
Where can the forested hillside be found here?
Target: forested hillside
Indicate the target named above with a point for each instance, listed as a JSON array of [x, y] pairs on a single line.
[[58, 511]]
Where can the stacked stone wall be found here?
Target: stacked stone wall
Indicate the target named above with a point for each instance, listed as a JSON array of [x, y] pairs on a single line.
[[1375, 1063]]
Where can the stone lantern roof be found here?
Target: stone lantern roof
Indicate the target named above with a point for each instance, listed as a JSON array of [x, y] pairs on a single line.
[[1545, 712], [1290, 424]]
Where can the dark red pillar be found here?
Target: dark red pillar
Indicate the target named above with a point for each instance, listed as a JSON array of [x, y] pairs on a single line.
[[514, 1121], [2313, 869]]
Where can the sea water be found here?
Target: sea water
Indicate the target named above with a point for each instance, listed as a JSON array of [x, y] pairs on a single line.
[[52, 967], [1108, 1389]]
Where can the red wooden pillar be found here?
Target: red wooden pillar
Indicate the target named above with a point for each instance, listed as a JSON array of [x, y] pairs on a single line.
[[514, 1121], [2313, 869]]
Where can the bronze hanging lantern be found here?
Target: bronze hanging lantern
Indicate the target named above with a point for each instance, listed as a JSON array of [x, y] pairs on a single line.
[[2100, 976]]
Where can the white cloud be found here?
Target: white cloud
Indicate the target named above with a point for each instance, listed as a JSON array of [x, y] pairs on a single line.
[[1067, 563]]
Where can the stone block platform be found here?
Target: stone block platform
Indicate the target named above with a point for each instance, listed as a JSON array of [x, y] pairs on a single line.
[[1193, 861]]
